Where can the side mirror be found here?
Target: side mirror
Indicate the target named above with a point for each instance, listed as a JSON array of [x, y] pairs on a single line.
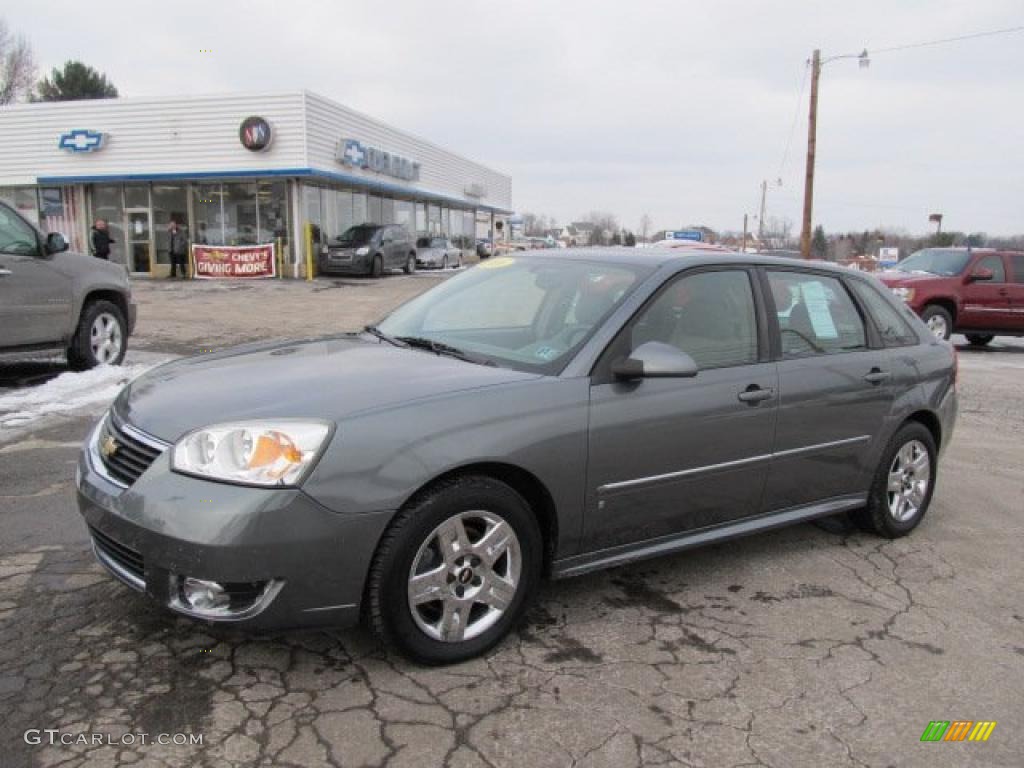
[[655, 360], [980, 274], [56, 243]]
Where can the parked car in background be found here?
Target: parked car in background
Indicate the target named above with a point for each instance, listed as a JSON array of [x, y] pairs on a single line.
[[975, 291], [438, 252], [368, 249], [484, 249], [51, 299], [532, 416]]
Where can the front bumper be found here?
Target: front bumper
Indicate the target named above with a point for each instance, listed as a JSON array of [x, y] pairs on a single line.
[[356, 265], [311, 562]]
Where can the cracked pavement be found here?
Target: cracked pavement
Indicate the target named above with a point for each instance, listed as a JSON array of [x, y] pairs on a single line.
[[802, 647]]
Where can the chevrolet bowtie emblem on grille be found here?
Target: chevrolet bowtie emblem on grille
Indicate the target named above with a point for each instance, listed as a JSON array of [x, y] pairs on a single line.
[[108, 447]]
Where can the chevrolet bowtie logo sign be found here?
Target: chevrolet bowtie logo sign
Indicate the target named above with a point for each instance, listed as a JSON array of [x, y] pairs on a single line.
[[108, 447], [81, 140]]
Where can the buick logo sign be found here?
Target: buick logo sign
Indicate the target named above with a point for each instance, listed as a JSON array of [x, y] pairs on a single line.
[[255, 134]]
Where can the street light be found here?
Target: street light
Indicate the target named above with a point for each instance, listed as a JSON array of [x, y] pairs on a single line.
[[863, 61]]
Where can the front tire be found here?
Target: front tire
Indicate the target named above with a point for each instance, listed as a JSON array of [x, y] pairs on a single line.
[[377, 267], [101, 337], [939, 321], [979, 339], [454, 571], [904, 481]]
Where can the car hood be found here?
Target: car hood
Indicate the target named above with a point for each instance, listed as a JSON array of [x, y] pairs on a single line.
[[327, 379], [894, 278]]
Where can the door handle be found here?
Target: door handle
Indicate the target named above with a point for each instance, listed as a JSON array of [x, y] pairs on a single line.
[[877, 376], [753, 395], [1002, 291]]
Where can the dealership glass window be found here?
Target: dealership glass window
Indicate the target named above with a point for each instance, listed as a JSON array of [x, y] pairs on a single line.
[[108, 204], [272, 204], [60, 210], [344, 203], [170, 203], [373, 210], [241, 217], [23, 200], [446, 221], [329, 210], [405, 215], [207, 229], [387, 211], [469, 229], [359, 212], [136, 196], [421, 217], [434, 219]]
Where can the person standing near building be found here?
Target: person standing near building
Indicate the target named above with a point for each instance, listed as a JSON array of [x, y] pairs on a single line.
[[100, 240], [177, 246]]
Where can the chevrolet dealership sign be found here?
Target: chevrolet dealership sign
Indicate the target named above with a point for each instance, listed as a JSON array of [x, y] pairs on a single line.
[[357, 155]]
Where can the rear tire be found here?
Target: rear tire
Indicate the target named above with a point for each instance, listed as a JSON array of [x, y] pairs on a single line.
[[478, 544], [904, 481], [101, 337], [979, 339], [410, 264], [939, 321]]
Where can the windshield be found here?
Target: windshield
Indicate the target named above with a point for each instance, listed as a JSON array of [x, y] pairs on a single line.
[[935, 261], [355, 236], [523, 313]]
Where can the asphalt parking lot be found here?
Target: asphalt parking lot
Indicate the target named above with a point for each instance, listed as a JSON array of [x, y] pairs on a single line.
[[803, 647]]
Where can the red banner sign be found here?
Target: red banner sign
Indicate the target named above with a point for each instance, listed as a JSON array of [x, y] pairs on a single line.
[[219, 261]]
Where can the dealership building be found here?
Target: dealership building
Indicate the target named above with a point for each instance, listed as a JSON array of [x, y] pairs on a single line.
[[236, 169]]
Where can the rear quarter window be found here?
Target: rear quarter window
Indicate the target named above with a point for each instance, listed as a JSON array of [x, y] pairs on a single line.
[[893, 329]]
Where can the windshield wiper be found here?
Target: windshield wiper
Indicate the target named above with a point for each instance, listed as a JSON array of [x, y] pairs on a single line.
[[440, 348], [373, 330]]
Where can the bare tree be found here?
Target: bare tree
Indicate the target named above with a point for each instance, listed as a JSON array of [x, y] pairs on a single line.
[[17, 66], [605, 224], [646, 225]]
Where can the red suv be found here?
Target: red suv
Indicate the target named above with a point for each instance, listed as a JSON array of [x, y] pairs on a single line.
[[975, 291]]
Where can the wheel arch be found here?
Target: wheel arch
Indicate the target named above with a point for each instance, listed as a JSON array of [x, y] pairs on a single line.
[[946, 303], [523, 482], [930, 421], [116, 298]]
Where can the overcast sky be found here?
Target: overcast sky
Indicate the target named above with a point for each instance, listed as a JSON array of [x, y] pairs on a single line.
[[678, 109]]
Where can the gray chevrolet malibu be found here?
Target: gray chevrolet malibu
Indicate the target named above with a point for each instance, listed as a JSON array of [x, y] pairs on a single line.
[[529, 417]]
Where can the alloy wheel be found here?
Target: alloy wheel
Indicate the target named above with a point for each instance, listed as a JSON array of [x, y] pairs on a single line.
[[909, 478], [937, 325], [464, 576], [105, 338]]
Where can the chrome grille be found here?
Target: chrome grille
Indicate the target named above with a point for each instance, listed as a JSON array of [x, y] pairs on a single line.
[[124, 454]]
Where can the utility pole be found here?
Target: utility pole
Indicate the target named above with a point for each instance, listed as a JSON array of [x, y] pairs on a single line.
[[744, 248], [812, 120], [760, 216]]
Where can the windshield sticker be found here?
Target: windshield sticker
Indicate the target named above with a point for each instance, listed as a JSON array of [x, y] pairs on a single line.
[[817, 307], [546, 353], [497, 263]]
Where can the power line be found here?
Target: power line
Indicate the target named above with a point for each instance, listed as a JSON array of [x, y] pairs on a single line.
[[1005, 31], [796, 117]]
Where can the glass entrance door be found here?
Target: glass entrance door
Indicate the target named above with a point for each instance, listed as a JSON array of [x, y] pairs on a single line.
[[138, 234]]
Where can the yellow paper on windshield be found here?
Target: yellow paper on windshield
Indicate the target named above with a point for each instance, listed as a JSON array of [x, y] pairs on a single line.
[[817, 307]]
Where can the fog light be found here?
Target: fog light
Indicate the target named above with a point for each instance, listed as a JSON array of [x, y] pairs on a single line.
[[204, 595]]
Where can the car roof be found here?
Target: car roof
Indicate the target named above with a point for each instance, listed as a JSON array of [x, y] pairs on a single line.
[[657, 257]]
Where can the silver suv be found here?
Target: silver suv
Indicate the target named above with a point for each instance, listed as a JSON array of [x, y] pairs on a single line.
[[54, 300]]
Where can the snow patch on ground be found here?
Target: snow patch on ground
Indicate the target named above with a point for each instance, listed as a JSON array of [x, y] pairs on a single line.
[[71, 392]]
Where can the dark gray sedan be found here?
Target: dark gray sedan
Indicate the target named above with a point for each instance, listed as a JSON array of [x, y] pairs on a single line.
[[528, 417]]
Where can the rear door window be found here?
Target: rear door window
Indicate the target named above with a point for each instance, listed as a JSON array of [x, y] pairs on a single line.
[[1017, 265], [816, 315]]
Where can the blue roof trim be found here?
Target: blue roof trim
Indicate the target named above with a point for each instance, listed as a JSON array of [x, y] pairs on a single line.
[[308, 173]]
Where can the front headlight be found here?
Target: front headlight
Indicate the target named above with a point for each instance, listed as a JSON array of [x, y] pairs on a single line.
[[272, 453], [907, 294], [362, 251]]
